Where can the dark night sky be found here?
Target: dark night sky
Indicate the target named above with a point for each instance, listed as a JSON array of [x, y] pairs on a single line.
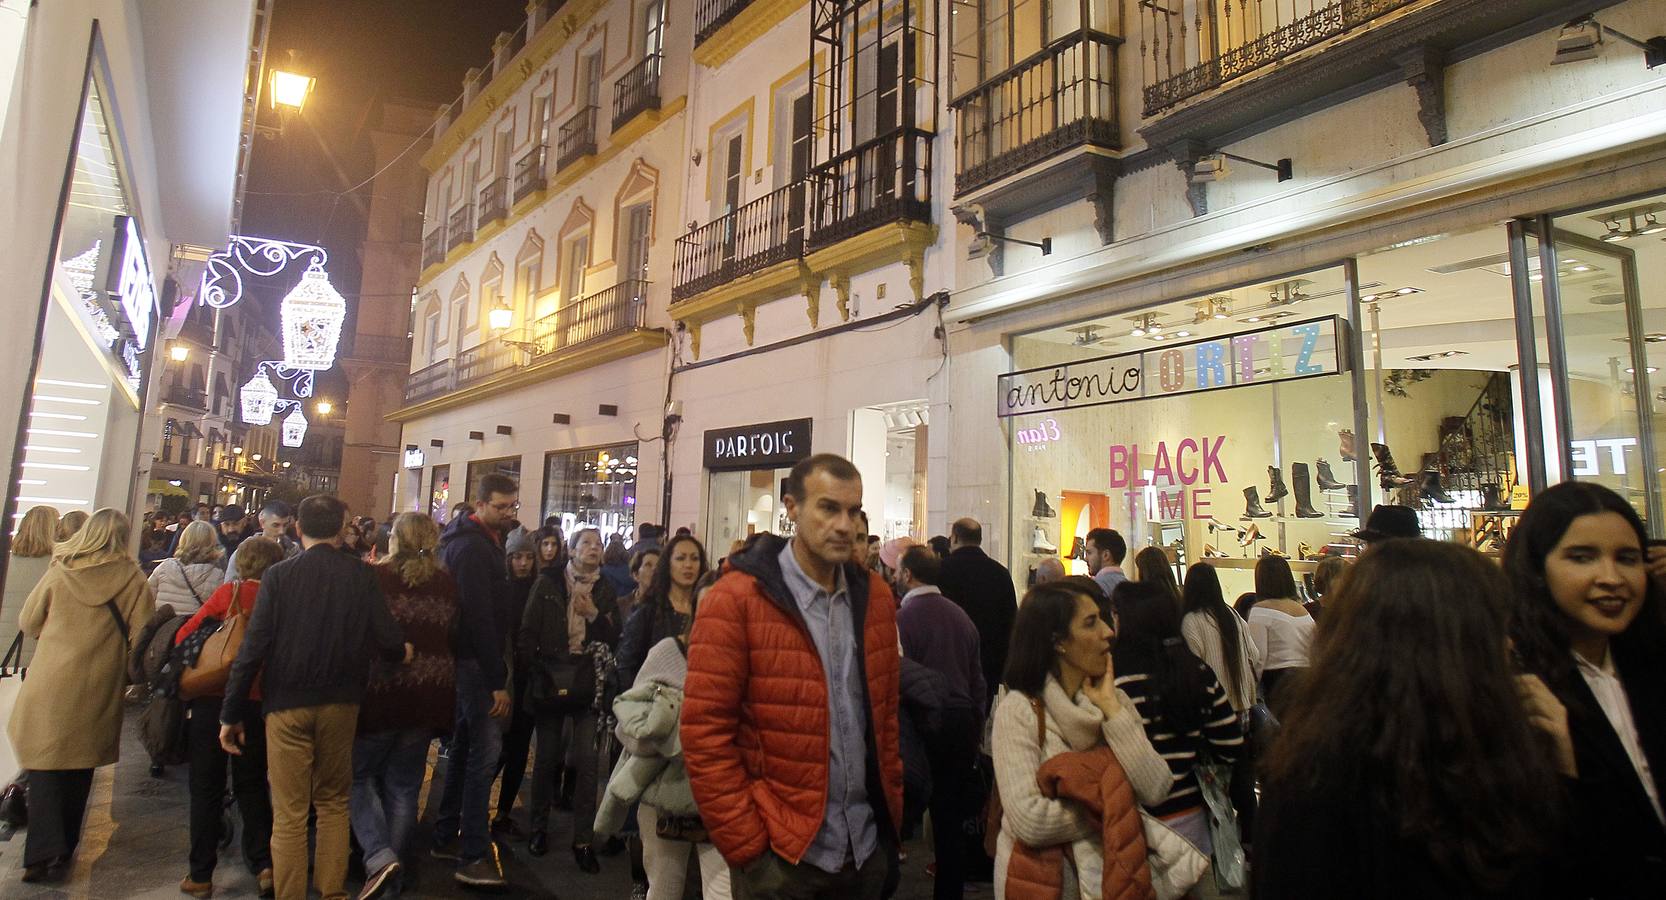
[[362, 52]]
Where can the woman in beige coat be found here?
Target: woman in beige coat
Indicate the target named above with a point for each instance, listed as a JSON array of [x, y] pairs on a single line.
[[31, 554], [67, 720]]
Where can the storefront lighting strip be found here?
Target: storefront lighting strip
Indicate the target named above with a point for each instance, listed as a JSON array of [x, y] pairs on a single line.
[[62, 467], [31, 482], [79, 401], [57, 433], [52, 500], [39, 448], [75, 384], [72, 417]]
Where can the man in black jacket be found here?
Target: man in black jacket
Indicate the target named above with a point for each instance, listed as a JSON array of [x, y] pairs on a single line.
[[982, 587], [315, 620], [472, 551]]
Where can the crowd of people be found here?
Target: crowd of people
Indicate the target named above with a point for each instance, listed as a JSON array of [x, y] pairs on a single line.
[[1418, 721]]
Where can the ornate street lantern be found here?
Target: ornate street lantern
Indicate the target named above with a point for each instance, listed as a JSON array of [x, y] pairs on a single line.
[[312, 316], [260, 398], [294, 428]]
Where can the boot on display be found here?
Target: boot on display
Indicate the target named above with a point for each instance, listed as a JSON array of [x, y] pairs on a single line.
[[1041, 509], [1388, 473], [1252, 506], [1345, 444], [1327, 478], [1079, 549], [1351, 511], [1040, 544], [1251, 535], [1277, 491], [1304, 492], [1492, 496], [1433, 490]]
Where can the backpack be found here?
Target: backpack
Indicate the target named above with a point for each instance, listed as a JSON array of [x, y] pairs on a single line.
[[162, 731]]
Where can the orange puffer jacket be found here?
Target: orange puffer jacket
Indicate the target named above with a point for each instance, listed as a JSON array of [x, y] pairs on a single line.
[[755, 711]]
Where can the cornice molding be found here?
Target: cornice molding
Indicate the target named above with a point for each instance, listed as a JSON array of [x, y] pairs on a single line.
[[751, 23]]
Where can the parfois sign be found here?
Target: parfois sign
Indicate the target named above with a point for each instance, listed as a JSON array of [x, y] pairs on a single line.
[[1282, 353]]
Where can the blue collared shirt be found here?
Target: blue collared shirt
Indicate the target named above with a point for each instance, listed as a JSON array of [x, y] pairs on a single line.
[[848, 832]]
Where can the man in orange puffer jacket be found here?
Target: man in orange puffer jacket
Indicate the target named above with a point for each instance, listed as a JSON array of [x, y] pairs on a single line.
[[789, 721]]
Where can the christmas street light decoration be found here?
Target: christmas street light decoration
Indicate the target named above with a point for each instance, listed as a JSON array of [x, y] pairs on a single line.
[[294, 427], [260, 398], [312, 315]]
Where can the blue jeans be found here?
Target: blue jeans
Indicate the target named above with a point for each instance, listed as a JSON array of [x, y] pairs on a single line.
[[387, 778], [476, 743]]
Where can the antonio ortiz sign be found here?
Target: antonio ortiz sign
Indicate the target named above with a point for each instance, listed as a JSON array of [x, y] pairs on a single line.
[[1281, 353]]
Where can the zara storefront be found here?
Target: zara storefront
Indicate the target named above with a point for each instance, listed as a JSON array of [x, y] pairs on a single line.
[[1457, 370]]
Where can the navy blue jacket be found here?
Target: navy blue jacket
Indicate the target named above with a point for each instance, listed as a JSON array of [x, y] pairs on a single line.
[[476, 560]]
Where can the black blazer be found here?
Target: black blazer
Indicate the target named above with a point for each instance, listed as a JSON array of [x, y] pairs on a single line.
[[1620, 841], [983, 588]]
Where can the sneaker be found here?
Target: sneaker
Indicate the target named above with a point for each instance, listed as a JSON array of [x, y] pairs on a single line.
[[268, 887], [481, 873], [202, 889], [446, 850], [379, 881]]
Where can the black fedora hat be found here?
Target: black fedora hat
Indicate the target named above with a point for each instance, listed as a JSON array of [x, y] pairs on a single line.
[[1386, 522]]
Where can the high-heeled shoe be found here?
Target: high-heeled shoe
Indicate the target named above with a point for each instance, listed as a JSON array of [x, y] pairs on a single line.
[[585, 856], [1273, 551], [1251, 535]]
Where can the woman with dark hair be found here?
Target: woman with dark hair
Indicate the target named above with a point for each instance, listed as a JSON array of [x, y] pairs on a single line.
[[1589, 623], [1280, 625], [1179, 700], [1326, 577], [1059, 671], [1221, 639], [643, 563], [552, 549], [1416, 762], [1152, 565], [666, 609]]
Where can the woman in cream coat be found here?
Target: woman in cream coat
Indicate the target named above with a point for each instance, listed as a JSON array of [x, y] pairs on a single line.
[[67, 720], [31, 554]]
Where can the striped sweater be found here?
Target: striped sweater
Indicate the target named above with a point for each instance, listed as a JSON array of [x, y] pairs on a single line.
[[1222, 730]]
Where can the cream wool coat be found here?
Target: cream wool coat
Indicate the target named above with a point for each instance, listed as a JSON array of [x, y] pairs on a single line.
[[69, 710]]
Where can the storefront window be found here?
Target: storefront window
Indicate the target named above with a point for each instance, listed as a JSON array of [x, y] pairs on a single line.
[[1210, 427], [439, 494], [741, 504], [593, 487], [508, 465]]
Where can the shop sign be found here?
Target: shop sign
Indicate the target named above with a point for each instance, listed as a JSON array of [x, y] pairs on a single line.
[[129, 282], [414, 458], [1587, 461], [1281, 353], [767, 446]]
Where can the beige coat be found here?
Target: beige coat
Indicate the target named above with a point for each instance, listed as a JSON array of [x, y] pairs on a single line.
[[69, 710]]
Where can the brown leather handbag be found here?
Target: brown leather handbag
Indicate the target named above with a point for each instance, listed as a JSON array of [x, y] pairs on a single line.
[[207, 677], [993, 810]]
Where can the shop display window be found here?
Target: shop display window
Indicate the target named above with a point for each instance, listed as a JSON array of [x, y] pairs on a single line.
[[1216, 427], [509, 465], [439, 494], [743, 503], [596, 486]]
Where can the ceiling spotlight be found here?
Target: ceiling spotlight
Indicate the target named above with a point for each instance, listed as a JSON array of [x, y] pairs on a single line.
[[1138, 332], [1651, 225], [1182, 333], [1253, 319], [1615, 235], [1648, 369]]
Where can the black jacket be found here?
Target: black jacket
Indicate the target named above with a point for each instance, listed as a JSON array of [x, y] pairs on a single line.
[[319, 619], [983, 587], [651, 622], [1620, 843], [542, 639], [475, 559]]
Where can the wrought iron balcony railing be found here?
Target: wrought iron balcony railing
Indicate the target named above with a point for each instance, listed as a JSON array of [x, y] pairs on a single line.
[[617, 310], [190, 398], [710, 15], [1061, 97], [577, 138], [430, 382], [760, 234], [636, 91], [886, 179], [433, 247], [460, 229], [1199, 45], [529, 172], [484, 360], [494, 201]]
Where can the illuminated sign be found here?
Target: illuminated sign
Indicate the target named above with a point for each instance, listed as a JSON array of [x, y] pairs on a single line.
[[1286, 352], [767, 446], [1587, 456], [414, 459], [130, 282]]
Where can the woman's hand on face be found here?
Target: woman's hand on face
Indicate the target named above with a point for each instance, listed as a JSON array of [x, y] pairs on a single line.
[[1102, 691], [1547, 714], [1657, 561]]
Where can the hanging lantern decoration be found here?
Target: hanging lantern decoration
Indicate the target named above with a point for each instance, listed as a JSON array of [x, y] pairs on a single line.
[[260, 398], [294, 427], [312, 317]]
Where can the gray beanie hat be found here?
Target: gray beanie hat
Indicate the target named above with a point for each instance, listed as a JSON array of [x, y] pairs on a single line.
[[520, 541]]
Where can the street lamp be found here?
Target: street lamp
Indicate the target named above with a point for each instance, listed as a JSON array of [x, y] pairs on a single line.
[[324, 407], [255, 457], [500, 317], [237, 451], [179, 352], [289, 90]]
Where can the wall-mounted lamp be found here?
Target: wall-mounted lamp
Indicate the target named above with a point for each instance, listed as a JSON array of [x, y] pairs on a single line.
[[1045, 245], [1581, 39], [179, 352], [237, 451], [324, 407], [1212, 167], [500, 317]]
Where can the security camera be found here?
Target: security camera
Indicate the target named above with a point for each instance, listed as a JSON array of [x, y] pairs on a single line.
[[1209, 167]]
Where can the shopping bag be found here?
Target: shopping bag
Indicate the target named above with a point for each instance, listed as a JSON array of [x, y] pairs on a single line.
[[1215, 781], [11, 683]]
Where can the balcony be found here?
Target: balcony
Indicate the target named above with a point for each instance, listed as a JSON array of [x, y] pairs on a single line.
[[494, 201], [1238, 71], [577, 138], [529, 173], [425, 384], [485, 360], [460, 228], [886, 179], [1059, 98], [637, 91], [710, 15], [188, 398], [767, 231], [618, 310], [433, 247]]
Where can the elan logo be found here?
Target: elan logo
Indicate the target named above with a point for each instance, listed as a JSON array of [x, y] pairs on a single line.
[[1037, 438]]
